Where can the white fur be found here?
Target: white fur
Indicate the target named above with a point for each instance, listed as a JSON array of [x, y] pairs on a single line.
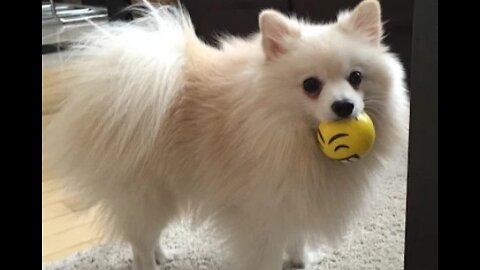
[[156, 121]]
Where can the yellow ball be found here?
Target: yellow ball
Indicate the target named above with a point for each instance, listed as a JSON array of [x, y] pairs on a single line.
[[347, 139]]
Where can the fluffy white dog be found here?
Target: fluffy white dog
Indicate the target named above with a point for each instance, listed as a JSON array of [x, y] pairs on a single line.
[[156, 120]]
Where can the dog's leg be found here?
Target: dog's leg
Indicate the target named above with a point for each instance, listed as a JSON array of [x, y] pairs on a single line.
[[160, 256], [295, 255], [141, 221], [143, 254], [258, 251], [147, 253], [300, 255], [143, 236], [253, 244]]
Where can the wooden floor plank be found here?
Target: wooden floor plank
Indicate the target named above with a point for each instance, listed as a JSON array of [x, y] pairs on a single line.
[[70, 250], [50, 186], [55, 210], [51, 197], [66, 222], [78, 235]]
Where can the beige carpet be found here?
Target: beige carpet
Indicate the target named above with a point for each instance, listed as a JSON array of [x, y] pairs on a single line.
[[376, 242]]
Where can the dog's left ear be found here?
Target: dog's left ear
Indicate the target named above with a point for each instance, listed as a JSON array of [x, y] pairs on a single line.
[[277, 32], [364, 19]]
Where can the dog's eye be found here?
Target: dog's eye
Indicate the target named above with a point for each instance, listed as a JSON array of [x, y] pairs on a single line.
[[312, 86], [355, 78]]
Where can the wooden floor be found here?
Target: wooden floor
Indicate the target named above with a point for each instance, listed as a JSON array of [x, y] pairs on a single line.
[[66, 227]]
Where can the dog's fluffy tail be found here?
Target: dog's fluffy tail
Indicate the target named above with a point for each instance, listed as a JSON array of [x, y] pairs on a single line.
[[117, 90]]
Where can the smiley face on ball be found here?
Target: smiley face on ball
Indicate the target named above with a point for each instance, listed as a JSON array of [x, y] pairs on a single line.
[[347, 139]]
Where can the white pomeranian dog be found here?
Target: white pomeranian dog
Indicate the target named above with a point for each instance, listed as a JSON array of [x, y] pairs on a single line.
[[157, 120]]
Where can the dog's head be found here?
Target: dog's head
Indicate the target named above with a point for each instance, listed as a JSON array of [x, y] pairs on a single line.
[[324, 72]]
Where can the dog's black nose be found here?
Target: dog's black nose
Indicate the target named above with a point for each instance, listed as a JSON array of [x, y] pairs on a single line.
[[342, 108]]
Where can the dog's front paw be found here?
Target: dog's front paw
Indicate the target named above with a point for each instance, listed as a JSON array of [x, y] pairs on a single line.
[[139, 266], [293, 264], [161, 257], [163, 260]]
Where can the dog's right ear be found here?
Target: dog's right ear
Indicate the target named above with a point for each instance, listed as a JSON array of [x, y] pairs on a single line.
[[277, 31]]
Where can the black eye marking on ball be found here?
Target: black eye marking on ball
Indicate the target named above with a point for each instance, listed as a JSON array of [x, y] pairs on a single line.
[[341, 146], [337, 136], [321, 136]]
